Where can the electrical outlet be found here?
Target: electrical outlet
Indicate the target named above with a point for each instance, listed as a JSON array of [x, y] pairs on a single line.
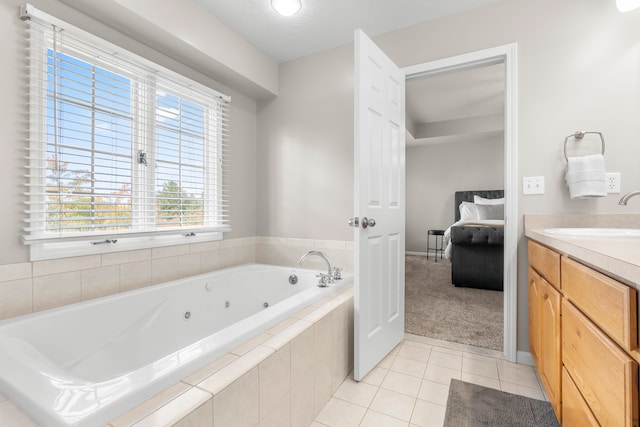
[[613, 182], [533, 185]]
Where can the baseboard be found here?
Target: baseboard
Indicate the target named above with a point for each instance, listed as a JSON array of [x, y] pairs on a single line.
[[524, 358], [416, 253]]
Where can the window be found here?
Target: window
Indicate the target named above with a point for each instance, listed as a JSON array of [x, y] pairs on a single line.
[[120, 150]]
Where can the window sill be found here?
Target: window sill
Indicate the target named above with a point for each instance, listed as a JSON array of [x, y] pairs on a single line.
[[53, 250]]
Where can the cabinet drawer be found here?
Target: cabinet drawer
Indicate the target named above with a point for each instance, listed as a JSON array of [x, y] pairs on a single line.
[[546, 262], [575, 411], [606, 377], [608, 303]]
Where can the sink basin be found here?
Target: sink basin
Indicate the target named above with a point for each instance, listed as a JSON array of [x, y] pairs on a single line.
[[593, 232]]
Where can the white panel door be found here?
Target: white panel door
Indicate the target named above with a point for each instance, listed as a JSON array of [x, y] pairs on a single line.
[[379, 195]]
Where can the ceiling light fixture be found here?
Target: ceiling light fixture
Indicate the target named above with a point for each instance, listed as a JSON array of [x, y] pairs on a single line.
[[286, 7], [627, 5]]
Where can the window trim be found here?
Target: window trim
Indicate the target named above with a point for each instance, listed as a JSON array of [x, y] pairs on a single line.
[[53, 250], [43, 246]]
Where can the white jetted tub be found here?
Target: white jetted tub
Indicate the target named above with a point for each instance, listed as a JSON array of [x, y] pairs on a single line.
[[85, 364]]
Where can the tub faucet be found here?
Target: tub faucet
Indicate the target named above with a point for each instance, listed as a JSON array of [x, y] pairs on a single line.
[[324, 278], [623, 201]]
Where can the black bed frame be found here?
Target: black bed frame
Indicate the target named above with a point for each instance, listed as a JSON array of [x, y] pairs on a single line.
[[477, 253]]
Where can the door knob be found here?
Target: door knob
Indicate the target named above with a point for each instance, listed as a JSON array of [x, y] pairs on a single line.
[[365, 222], [368, 222]]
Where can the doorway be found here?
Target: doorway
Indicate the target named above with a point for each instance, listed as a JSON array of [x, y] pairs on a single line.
[[493, 126], [455, 126], [379, 161]]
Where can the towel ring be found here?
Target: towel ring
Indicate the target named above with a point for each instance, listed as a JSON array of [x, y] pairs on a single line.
[[579, 134]]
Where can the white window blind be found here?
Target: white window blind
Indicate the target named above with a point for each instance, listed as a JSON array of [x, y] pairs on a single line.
[[118, 147]]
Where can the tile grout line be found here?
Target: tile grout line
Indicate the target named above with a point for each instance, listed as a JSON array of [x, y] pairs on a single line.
[[392, 357]]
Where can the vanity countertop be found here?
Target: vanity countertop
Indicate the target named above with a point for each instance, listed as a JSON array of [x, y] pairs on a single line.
[[618, 257]]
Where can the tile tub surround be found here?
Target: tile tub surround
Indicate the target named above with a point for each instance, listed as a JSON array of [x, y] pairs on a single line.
[[284, 376], [34, 286], [285, 251]]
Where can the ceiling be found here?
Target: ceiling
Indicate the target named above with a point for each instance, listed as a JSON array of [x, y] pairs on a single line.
[[326, 24], [456, 94], [451, 106], [445, 107]]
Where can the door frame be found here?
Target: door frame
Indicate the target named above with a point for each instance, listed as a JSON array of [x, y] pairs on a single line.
[[506, 54]]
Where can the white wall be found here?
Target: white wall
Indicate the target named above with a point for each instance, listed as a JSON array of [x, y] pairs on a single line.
[[435, 172], [187, 32], [305, 150], [13, 125], [578, 68]]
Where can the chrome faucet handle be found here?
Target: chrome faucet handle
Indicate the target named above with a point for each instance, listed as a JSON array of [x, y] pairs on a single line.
[[336, 274], [324, 280]]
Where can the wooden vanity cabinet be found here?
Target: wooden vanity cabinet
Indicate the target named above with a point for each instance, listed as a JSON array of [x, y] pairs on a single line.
[[544, 333], [544, 321], [584, 340]]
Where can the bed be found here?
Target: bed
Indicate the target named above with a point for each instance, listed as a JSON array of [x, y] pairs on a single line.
[[474, 243]]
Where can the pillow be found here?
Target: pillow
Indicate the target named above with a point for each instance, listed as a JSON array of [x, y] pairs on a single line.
[[490, 211], [474, 212], [482, 201], [469, 211]]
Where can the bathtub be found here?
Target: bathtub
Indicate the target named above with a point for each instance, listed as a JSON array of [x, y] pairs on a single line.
[[87, 363]]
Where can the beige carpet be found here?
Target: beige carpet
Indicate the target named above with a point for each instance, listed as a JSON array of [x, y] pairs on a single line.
[[435, 308]]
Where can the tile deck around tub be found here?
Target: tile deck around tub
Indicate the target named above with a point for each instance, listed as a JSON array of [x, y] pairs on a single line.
[[410, 386], [200, 398], [235, 374]]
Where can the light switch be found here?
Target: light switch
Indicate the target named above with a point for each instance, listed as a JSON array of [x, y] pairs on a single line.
[[533, 185]]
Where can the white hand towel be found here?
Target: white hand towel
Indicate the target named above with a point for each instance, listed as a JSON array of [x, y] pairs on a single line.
[[586, 176]]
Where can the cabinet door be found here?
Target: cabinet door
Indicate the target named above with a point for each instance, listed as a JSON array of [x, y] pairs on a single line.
[[534, 315], [606, 376], [549, 354], [575, 411]]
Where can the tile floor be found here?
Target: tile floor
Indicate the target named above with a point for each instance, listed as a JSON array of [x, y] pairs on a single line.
[[410, 386]]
